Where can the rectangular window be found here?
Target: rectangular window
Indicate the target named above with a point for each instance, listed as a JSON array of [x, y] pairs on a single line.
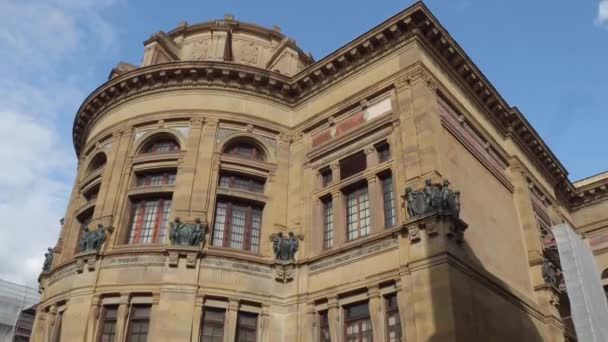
[[357, 213], [393, 322], [352, 165], [156, 178], [384, 152], [237, 226], [326, 177], [213, 325], [239, 182], [108, 324], [388, 199], [324, 327], [328, 223], [246, 327], [139, 321], [149, 220], [357, 323]]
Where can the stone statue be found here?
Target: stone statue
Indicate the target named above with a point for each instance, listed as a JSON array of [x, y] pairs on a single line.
[[191, 234], [550, 273], [285, 248], [92, 240], [432, 198], [48, 260]]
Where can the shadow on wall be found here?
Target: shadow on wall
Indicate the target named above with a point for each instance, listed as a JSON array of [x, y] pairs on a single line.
[[467, 307]]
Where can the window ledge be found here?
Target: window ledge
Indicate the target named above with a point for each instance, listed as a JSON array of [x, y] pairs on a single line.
[[151, 190], [254, 196], [159, 156]]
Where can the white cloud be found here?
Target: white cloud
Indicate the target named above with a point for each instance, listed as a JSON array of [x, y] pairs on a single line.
[[602, 13], [38, 97]]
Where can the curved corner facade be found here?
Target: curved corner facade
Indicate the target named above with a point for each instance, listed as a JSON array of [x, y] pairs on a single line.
[[232, 189]]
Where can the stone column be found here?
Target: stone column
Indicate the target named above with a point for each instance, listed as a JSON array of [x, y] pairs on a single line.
[[264, 324], [376, 210], [333, 316], [51, 319], [122, 315], [93, 319], [339, 216], [375, 312], [197, 317], [309, 330], [231, 316]]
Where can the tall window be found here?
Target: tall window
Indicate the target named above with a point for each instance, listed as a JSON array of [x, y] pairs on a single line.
[[139, 321], [213, 325], [108, 324], [246, 329], [237, 225], [393, 323], [326, 177], [328, 223], [156, 178], [357, 323], [357, 213], [149, 220], [241, 182], [161, 146], [324, 335], [388, 199]]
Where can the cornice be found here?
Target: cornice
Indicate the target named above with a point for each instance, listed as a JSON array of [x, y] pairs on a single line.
[[415, 22]]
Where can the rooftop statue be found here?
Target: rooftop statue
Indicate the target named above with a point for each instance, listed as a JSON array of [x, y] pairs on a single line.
[[187, 234], [92, 240], [48, 260], [432, 198]]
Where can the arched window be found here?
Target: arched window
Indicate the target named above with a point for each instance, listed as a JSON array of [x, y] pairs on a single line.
[[245, 149], [161, 144], [98, 162]]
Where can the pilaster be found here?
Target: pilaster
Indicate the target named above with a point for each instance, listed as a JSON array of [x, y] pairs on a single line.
[[231, 316], [333, 316], [197, 317], [374, 189], [339, 216], [93, 319], [201, 189], [375, 312], [184, 185], [122, 314]]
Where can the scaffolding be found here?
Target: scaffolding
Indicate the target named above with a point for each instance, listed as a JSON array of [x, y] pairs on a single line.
[[14, 299]]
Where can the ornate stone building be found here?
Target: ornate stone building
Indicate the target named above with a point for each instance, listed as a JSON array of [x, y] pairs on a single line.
[[231, 188]]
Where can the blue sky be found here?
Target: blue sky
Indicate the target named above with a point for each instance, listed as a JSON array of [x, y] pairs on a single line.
[[549, 58]]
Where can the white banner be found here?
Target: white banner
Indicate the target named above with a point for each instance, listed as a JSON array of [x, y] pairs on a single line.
[[587, 298]]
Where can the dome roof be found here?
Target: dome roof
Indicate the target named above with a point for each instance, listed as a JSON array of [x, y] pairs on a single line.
[[227, 40]]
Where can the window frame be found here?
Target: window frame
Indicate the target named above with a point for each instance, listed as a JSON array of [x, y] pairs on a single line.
[[159, 216], [104, 320], [391, 305], [362, 190], [133, 319], [251, 234], [212, 323], [388, 200], [247, 328], [359, 320]]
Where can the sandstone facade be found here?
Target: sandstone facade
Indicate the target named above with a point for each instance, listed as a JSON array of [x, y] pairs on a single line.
[[232, 124]]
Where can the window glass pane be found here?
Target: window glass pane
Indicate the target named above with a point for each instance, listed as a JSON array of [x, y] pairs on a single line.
[[389, 201], [160, 146], [246, 327], [393, 322], [139, 323], [237, 226], [156, 178], [357, 213], [149, 220], [328, 223], [213, 325], [352, 165], [241, 183]]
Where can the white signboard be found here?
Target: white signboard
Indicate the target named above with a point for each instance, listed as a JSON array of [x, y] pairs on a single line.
[[587, 299]]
